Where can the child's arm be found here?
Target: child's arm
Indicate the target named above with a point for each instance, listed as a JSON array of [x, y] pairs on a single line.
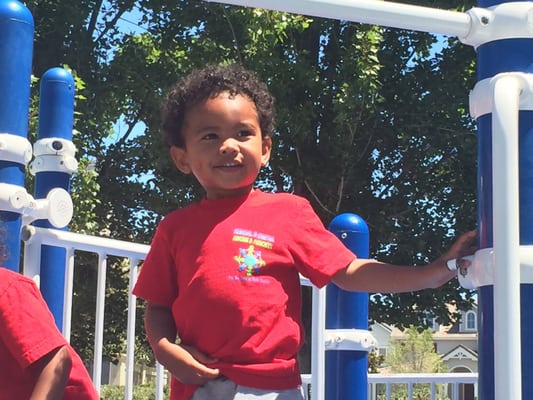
[[185, 363], [52, 373], [372, 276]]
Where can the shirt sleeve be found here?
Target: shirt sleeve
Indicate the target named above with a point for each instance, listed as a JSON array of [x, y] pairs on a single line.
[[157, 279], [28, 327], [317, 252]]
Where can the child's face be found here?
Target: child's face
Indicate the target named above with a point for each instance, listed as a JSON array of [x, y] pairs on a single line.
[[224, 148]]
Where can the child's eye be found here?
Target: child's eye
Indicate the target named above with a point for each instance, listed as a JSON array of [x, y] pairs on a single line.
[[209, 136], [244, 133]]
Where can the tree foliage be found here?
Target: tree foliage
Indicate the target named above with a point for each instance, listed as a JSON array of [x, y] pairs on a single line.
[[370, 120], [414, 353]]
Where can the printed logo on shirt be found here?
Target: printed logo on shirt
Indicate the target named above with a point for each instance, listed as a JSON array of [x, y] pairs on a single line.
[[250, 258]]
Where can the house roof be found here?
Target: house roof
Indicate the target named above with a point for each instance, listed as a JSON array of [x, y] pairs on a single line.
[[459, 353]]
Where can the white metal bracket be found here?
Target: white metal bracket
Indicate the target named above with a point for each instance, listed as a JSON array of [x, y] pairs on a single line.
[[503, 21], [349, 339], [57, 207], [54, 155], [13, 198], [482, 96], [482, 270], [15, 148]]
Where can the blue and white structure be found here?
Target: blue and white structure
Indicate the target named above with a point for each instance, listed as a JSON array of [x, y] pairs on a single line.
[[52, 206], [52, 167], [502, 103], [347, 368], [16, 47]]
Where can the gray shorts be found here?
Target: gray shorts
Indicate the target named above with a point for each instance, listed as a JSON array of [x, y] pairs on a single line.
[[224, 389]]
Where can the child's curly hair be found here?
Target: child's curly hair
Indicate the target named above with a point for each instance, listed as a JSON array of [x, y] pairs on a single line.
[[209, 82]]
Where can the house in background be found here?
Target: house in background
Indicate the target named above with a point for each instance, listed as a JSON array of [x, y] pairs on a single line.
[[456, 344]]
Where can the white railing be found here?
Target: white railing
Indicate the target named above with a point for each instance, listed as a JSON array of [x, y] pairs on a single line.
[[454, 382], [35, 237], [103, 247]]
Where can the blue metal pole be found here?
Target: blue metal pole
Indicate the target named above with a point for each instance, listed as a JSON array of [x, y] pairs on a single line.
[[53, 168], [346, 371], [494, 57], [16, 47]]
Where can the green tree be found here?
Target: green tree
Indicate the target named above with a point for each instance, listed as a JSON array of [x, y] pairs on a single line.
[[375, 361], [415, 353]]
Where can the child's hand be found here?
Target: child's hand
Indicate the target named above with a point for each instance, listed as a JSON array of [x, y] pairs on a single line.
[[190, 366], [465, 245]]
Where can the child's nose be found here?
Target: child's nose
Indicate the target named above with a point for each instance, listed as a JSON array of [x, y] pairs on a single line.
[[229, 146]]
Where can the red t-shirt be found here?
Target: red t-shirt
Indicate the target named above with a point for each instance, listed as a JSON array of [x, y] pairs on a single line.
[[229, 271], [27, 333]]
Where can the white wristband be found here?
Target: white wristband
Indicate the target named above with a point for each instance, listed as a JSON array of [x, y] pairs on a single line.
[[452, 264]]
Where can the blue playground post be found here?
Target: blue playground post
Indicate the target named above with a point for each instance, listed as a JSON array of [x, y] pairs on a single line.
[[16, 46], [346, 371], [53, 166], [510, 54]]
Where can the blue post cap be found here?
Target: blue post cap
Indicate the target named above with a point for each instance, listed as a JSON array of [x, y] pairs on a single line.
[[348, 222], [15, 10], [58, 74], [56, 106], [352, 230]]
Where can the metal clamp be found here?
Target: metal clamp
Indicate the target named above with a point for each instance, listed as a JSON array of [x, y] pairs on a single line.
[[481, 98], [13, 198], [54, 155], [503, 21], [54, 146], [482, 270], [57, 207], [15, 148], [349, 339]]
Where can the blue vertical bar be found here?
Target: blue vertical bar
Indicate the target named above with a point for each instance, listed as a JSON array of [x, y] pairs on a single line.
[[56, 119], [485, 293], [346, 371], [16, 47], [507, 55]]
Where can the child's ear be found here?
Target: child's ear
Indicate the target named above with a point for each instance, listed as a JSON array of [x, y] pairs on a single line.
[[267, 148], [179, 156]]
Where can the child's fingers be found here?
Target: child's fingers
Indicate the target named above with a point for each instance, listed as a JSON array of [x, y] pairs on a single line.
[[199, 356]]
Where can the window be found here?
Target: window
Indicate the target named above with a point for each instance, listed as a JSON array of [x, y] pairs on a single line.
[[470, 321], [431, 322]]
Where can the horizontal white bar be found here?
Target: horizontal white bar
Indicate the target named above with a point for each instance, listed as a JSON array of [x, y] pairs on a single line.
[[447, 377], [374, 12], [94, 244]]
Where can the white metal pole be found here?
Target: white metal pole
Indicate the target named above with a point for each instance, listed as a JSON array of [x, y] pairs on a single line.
[[99, 329], [506, 237], [375, 12], [130, 333], [159, 381], [318, 344], [69, 290]]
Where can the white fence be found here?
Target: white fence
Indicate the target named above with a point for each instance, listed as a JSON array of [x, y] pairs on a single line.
[[134, 254], [454, 385]]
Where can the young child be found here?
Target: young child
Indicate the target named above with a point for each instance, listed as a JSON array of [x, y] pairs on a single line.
[[36, 362], [223, 274]]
